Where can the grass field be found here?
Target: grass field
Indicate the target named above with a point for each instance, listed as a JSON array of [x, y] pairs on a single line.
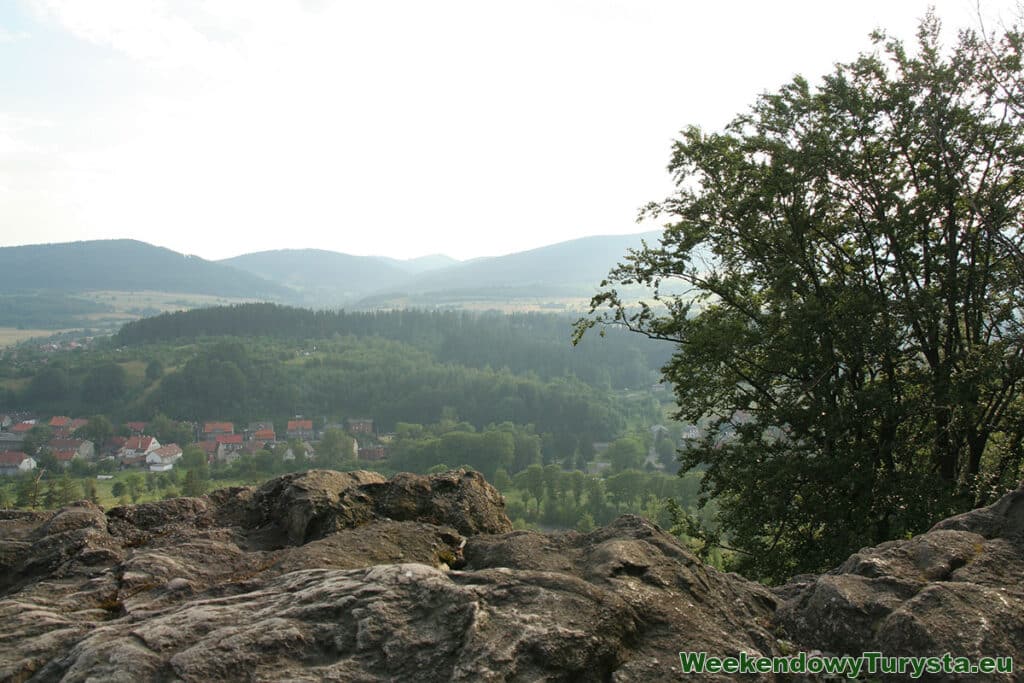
[[9, 336], [126, 306], [104, 488], [14, 383], [128, 303]]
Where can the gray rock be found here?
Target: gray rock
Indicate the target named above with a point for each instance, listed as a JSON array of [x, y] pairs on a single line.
[[958, 588], [351, 577]]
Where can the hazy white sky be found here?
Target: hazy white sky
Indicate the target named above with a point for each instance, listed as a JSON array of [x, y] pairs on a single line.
[[395, 127]]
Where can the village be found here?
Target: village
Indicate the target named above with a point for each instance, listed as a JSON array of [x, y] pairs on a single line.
[[26, 441]]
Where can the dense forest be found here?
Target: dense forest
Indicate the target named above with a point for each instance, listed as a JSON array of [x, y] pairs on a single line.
[[47, 310], [537, 343], [262, 361]]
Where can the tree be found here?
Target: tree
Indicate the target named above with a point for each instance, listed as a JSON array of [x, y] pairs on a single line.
[[194, 484], [576, 483], [90, 491], [154, 370], [585, 524], [625, 454], [134, 483], [501, 480], [335, 448], [104, 384], [36, 438], [666, 450], [167, 430], [843, 278], [27, 491], [97, 430], [118, 489], [51, 385], [193, 457], [531, 480], [67, 490], [625, 487]]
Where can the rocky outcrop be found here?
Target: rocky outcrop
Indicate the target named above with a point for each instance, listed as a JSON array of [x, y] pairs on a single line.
[[349, 576], [958, 588]]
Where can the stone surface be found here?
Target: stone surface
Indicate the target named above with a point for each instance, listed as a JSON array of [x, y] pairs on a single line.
[[351, 577], [958, 588]]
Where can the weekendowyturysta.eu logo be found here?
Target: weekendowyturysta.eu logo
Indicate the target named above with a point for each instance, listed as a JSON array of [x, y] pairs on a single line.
[[868, 663]]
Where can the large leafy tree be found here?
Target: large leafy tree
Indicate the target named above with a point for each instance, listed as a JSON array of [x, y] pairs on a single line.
[[843, 276]]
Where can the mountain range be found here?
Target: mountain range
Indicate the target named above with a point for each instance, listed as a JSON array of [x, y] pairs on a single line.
[[124, 265], [317, 277]]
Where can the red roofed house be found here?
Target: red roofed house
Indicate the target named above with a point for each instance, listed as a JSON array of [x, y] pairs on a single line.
[[212, 430], [213, 450], [228, 447], [81, 447], [163, 458], [300, 429], [114, 445], [64, 456], [138, 445], [15, 462], [23, 427], [60, 421], [231, 443], [133, 460], [264, 435], [77, 424], [136, 428]]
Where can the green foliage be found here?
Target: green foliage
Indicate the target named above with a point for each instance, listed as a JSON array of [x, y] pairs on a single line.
[[501, 480], [335, 448], [50, 385], [194, 484], [67, 489], [36, 438], [134, 485], [154, 370], [169, 431], [852, 325], [193, 457], [27, 491], [625, 453], [46, 310], [98, 429], [524, 343], [104, 384], [89, 490], [531, 480]]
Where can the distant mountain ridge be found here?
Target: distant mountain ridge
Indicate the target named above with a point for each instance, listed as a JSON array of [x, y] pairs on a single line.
[[125, 265], [565, 269], [421, 264], [318, 277]]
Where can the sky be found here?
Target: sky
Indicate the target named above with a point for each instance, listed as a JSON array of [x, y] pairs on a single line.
[[386, 127]]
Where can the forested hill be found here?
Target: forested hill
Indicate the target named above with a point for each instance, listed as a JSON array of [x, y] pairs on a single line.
[[325, 277], [569, 268], [125, 265], [528, 342]]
